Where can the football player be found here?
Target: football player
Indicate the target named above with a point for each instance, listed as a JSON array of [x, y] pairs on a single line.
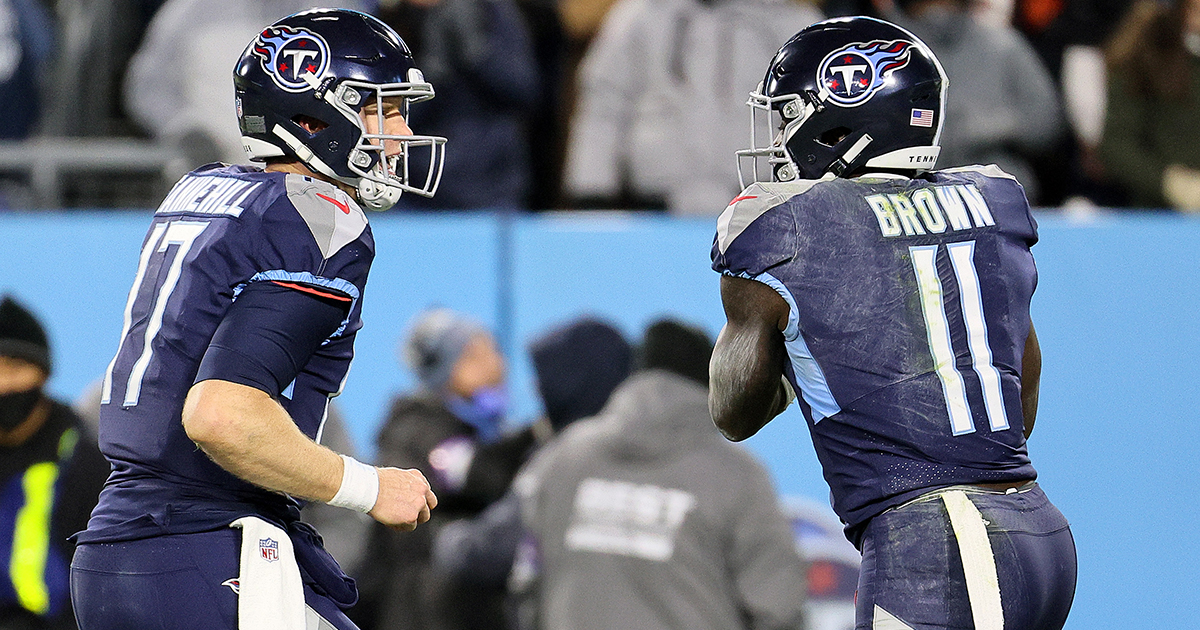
[[894, 300], [238, 330]]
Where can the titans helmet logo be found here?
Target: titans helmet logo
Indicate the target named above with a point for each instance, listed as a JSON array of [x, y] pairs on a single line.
[[289, 54], [854, 73]]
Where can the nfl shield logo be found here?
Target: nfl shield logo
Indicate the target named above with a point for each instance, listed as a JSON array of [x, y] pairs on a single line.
[[268, 549]]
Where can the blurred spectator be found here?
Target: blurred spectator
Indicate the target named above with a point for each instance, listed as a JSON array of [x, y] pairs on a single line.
[[582, 18], [998, 12], [547, 120], [645, 517], [1069, 36], [1002, 107], [26, 42], [832, 561], [178, 86], [579, 21], [578, 366], [657, 90], [51, 472], [450, 429], [480, 55], [97, 38], [1053, 26], [1151, 142]]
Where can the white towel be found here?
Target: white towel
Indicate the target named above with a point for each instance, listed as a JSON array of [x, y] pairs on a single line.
[[270, 593]]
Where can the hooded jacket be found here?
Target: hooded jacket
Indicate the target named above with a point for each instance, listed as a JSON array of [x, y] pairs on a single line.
[[1001, 105], [662, 98], [645, 517]]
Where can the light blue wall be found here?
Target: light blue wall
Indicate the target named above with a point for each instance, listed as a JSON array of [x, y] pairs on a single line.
[[1118, 435]]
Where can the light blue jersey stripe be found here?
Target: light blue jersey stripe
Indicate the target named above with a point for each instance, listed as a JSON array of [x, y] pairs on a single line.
[[307, 278], [814, 389]]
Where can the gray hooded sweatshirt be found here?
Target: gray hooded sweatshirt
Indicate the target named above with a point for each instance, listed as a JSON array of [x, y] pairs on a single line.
[[662, 98], [645, 517]]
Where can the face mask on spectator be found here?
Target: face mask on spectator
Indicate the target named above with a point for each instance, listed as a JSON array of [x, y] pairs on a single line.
[[483, 410], [15, 407]]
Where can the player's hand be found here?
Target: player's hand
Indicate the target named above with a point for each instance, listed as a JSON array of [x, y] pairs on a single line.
[[405, 499]]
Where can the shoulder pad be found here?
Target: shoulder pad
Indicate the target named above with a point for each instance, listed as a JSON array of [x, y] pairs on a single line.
[[754, 202], [334, 219], [989, 170]]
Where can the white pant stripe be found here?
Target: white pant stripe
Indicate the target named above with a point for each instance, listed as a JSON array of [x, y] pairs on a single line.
[[979, 565], [884, 620], [314, 621]]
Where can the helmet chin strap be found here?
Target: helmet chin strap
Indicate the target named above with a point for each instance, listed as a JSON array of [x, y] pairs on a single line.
[[306, 155], [377, 196], [373, 195], [840, 165]]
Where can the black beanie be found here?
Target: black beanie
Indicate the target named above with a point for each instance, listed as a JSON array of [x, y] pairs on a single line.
[[672, 345], [578, 365], [21, 336]]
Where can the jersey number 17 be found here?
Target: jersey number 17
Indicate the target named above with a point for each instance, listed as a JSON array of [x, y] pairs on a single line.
[[182, 235]]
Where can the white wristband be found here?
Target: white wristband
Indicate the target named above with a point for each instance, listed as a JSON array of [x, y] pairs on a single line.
[[360, 486]]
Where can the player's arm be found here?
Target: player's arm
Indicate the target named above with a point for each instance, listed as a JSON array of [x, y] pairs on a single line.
[[1031, 377], [746, 388], [232, 413]]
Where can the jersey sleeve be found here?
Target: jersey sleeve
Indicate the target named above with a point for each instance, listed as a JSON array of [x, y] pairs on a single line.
[[313, 235], [755, 232], [270, 332], [302, 255]]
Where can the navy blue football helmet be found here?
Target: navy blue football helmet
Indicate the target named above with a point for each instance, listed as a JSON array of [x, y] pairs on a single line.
[[843, 95], [313, 86]]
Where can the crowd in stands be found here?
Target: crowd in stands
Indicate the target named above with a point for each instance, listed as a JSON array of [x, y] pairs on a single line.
[[629, 104]]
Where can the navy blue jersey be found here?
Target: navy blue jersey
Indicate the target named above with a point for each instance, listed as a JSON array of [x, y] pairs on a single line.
[[909, 303], [219, 230]]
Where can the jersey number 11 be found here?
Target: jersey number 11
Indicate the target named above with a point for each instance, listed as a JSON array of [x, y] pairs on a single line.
[[937, 325]]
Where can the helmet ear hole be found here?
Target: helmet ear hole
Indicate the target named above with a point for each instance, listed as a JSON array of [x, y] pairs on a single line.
[[310, 125], [917, 98], [833, 136], [927, 90]]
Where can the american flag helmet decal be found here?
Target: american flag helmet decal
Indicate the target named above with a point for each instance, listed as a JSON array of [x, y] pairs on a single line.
[[921, 118]]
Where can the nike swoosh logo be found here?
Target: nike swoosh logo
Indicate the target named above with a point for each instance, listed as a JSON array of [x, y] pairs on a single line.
[[344, 207]]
